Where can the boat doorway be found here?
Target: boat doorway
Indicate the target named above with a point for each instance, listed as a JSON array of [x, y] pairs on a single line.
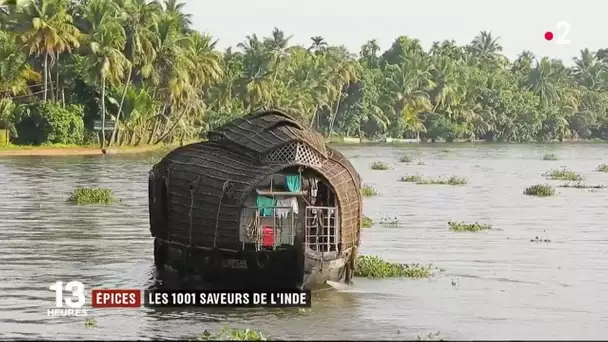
[[293, 205]]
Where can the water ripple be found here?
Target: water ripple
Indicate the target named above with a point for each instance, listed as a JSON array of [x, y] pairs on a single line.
[[497, 284]]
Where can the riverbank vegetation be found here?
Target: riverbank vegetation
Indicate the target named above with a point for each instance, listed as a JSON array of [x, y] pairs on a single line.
[[374, 267], [92, 196], [540, 190], [141, 66], [418, 179], [468, 227]]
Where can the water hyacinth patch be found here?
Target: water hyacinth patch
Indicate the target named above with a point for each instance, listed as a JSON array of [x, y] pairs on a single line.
[[563, 174], [468, 227], [368, 191], [92, 196], [540, 190], [374, 267], [378, 165], [550, 156]]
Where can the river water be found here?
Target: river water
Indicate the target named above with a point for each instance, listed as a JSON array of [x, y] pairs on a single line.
[[496, 284]]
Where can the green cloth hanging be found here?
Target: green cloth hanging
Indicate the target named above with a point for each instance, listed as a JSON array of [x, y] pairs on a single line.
[[265, 204], [294, 183]]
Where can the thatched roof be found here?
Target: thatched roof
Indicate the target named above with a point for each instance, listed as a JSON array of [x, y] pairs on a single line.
[[212, 181], [266, 130]]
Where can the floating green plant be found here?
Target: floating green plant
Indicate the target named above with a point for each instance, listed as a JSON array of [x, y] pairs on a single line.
[[452, 180], [540, 190], [550, 156], [602, 168], [228, 334], [378, 165], [412, 178], [374, 267], [92, 196], [90, 322], [429, 337], [366, 222], [563, 174], [468, 227], [580, 185], [389, 221], [405, 159], [368, 191]]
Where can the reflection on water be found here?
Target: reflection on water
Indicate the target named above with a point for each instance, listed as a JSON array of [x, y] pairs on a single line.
[[497, 284]]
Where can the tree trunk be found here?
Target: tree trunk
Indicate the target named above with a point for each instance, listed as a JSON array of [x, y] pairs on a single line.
[[156, 125], [122, 101], [276, 69], [52, 87], [333, 118], [46, 75], [103, 112], [132, 140], [314, 115], [153, 133], [58, 95], [164, 135]]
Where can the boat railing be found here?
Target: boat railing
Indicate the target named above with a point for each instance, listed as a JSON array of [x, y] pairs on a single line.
[[322, 229], [268, 232]]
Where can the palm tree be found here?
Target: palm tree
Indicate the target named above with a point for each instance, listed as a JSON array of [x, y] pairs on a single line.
[[15, 71], [174, 11], [277, 45], [46, 29], [255, 84], [407, 89], [106, 41], [138, 18], [318, 44]]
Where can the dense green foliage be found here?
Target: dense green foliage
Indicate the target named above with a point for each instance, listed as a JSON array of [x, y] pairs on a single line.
[[142, 64], [48, 122]]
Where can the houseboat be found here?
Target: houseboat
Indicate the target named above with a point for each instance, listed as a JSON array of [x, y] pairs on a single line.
[[264, 203]]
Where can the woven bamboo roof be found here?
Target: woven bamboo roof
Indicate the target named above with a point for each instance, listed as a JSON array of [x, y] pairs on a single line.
[[264, 131]]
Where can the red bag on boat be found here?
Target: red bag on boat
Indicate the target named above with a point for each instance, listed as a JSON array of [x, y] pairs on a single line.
[[267, 236]]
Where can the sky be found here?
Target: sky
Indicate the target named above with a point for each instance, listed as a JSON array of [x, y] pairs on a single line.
[[520, 24]]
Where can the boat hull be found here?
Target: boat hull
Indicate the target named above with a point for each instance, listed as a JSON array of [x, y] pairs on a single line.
[[285, 268]]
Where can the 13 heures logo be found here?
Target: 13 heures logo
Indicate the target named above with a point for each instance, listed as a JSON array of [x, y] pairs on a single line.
[[69, 305]]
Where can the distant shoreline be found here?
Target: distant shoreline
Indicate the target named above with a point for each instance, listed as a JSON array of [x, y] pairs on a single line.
[[49, 151], [356, 141]]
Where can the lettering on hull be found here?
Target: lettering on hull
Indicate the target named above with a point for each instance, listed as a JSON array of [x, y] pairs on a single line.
[[234, 263]]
